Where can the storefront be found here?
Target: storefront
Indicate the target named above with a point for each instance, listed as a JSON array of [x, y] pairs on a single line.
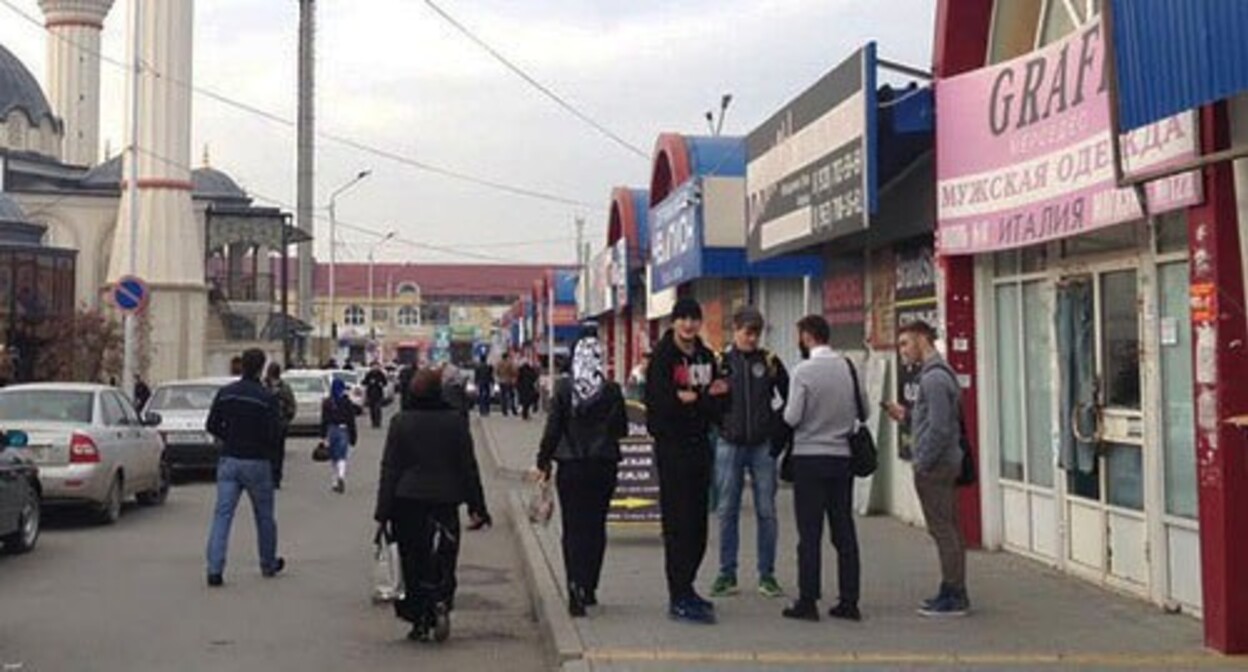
[[1074, 308], [628, 230], [697, 243], [846, 171]]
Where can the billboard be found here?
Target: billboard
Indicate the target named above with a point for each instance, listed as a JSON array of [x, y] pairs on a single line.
[[676, 237], [1025, 154], [810, 172]]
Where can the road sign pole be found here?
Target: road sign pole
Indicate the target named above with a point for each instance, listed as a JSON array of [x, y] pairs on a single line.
[[129, 368]]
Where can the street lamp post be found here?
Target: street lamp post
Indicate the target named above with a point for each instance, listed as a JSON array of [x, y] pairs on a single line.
[[333, 247], [372, 310]]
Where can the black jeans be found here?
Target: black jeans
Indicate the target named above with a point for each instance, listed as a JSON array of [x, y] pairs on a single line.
[[507, 398], [279, 462], [374, 412], [428, 538], [824, 486], [585, 488], [684, 485]]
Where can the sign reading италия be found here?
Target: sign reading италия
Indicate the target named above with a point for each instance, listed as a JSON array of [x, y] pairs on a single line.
[[1025, 155]]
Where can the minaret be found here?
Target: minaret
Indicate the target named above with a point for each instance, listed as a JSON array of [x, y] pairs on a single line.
[[168, 241], [73, 73]]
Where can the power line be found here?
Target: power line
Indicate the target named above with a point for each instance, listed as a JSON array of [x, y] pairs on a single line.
[[357, 145], [545, 90]]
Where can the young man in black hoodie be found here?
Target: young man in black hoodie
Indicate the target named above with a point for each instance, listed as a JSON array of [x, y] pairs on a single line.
[[682, 387]]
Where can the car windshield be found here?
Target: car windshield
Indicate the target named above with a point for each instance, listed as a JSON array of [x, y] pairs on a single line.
[[306, 384], [183, 398], [46, 406]]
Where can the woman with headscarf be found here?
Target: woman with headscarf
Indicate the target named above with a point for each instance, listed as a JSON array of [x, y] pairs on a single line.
[[427, 471], [583, 431], [338, 432]]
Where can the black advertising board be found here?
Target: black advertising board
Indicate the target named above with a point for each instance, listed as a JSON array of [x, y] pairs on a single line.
[[915, 300], [810, 169], [636, 497]]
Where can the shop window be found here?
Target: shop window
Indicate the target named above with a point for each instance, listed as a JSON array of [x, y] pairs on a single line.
[[1010, 431], [1179, 446], [1124, 471], [1038, 348], [1060, 19], [1120, 318], [353, 316], [1172, 232], [1014, 25], [1118, 238], [409, 316]]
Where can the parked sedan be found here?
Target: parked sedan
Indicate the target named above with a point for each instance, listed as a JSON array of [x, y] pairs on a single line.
[[19, 496], [89, 445], [183, 407], [310, 388]]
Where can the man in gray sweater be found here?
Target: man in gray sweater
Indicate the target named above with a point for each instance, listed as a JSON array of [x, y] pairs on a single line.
[[936, 427], [823, 413]]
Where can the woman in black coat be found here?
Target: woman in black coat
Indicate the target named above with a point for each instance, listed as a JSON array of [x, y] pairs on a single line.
[[583, 431], [427, 471]]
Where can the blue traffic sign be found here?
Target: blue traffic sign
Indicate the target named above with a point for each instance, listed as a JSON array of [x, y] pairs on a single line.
[[130, 294]]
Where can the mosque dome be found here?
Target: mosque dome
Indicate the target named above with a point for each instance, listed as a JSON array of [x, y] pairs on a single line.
[[214, 184], [19, 90]]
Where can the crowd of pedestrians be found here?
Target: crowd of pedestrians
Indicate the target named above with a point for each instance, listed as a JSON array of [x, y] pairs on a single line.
[[719, 420]]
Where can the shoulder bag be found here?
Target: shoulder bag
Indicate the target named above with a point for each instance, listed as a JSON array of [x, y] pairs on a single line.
[[862, 456]]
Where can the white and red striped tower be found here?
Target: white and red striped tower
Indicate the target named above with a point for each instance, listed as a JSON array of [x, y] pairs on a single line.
[[73, 73]]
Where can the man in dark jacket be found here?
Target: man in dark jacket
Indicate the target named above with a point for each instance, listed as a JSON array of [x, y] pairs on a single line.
[[288, 406], [246, 419], [752, 415], [526, 387], [681, 384], [375, 392], [484, 378]]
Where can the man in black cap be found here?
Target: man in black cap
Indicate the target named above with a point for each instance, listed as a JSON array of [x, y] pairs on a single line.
[[681, 384]]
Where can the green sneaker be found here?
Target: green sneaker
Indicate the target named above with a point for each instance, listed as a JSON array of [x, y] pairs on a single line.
[[724, 586], [769, 587]]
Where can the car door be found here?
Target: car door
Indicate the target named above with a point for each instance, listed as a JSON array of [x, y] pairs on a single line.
[[11, 490], [141, 452], [112, 435]]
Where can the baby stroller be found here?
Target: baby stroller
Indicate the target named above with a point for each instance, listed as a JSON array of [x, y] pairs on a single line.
[[429, 595]]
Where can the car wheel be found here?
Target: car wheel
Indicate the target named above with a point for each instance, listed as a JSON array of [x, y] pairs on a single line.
[[109, 511], [158, 496], [29, 524]]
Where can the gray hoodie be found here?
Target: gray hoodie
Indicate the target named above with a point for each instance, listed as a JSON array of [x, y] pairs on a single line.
[[934, 420]]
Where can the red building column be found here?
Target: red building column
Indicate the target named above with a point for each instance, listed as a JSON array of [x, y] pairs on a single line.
[[1220, 345], [961, 43]]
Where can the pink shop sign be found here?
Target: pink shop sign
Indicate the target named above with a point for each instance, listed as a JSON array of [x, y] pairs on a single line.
[[1023, 153]]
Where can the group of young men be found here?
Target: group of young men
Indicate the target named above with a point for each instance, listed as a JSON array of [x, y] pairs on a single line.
[[761, 417]]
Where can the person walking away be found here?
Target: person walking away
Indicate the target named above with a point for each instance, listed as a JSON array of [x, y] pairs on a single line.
[[936, 428], [338, 431], [405, 383], [246, 419], [375, 392], [583, 431], [428, 469], [507, 374], [484, 378], [681, 384], [751, 423], [288, 408], [142, 393], [526, 387], [823, 413]]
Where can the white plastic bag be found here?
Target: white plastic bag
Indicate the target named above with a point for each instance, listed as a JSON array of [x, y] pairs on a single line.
[[387, 569], [541, 503]]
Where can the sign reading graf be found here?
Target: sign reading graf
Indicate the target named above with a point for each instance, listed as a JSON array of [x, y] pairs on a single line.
[[636, 497], [131, 294]]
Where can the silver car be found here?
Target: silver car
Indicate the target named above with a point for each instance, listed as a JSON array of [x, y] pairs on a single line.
[[183, 408], [89, 445], [311, 388]]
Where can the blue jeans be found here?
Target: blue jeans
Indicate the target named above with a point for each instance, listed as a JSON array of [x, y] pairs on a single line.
[[731, 464], [235, 476]]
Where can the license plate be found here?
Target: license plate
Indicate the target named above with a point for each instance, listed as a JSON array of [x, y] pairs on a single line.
[[197, 438], [40, 454]]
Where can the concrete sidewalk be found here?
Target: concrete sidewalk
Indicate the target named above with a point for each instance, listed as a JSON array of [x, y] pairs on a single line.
[[1025, 617]]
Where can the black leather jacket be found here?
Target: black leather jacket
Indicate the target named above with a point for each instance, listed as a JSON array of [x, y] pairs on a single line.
[[589, 433], [247, 420], [429, 458], [755, 380]]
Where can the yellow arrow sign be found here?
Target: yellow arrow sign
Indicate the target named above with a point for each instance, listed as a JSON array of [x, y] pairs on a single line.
[[633, 503]]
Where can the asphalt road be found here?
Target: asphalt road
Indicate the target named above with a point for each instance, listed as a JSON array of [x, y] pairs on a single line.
[[132, 597]]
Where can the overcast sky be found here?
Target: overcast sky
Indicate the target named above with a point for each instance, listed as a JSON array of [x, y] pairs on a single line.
[[393, 74]]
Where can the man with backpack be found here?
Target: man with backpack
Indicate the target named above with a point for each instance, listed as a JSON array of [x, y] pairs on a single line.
[[750, 422], [935, 426]]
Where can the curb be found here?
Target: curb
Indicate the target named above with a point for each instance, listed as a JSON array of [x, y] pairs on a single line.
[[543, 587]]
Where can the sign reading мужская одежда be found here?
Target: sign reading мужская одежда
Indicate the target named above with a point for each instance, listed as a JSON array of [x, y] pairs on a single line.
[[1024, 156], [809, 171]]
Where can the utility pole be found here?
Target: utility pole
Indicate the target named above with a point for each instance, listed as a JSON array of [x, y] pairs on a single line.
[[129, 358], [582, 288], [306, 153]]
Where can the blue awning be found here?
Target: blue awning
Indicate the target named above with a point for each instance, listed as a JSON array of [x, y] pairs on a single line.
[[1176, 55], [734, 262]]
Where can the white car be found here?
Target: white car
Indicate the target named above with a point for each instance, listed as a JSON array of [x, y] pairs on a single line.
[[89, 445], [183, 407], [311, 387]]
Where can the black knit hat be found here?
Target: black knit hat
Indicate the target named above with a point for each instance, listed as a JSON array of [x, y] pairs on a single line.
[[687, 308]]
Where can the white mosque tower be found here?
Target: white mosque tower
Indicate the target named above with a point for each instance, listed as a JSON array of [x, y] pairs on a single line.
[[73, 73], [170, 239]]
